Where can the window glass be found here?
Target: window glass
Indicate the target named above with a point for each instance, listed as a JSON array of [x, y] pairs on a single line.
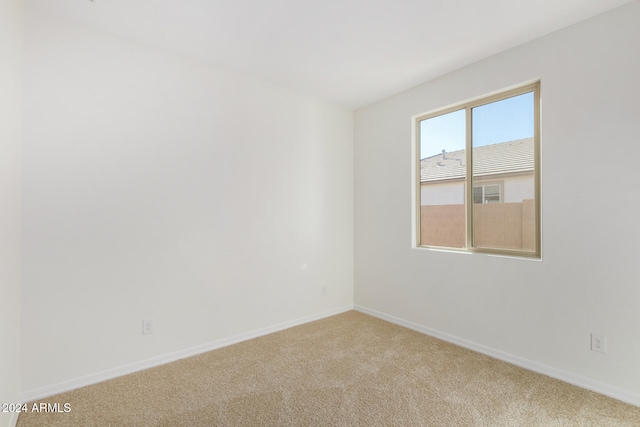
[[442, 177], [502, 140]]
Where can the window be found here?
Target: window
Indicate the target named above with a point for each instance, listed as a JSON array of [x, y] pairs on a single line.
[[486, 194], [478, 175]]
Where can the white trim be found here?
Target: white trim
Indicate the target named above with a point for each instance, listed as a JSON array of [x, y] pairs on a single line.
[[109, 374], [586, 383], [13, 419]]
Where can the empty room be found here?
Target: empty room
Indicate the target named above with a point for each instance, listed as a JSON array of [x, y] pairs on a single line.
[[342, 213]]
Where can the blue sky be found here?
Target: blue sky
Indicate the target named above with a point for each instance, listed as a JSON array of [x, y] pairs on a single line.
[[505, 120]]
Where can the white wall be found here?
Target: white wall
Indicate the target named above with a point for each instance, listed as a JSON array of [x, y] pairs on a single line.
[[537, 313], [448, 193], [11, 58], [518, 188], [156, 187]]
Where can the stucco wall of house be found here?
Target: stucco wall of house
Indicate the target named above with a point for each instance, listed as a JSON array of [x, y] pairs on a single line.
[[514, 189], [448, 193], [518, 188]]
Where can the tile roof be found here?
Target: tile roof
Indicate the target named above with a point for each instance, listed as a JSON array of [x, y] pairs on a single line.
[[505, 157]]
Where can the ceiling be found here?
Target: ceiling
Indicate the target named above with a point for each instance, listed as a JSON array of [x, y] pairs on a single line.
[[350, 52]]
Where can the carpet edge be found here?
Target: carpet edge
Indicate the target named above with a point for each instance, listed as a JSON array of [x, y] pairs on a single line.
[[109, 374], [540, 368]]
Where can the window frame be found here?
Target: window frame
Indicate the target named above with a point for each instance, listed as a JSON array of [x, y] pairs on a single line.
[[469, 181]]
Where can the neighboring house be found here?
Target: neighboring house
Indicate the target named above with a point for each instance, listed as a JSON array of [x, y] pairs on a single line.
[[503, 174], [503, 195]]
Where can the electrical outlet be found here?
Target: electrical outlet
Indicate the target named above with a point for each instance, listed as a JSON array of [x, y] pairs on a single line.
[[599, 343], [323, 290], [147, 326]]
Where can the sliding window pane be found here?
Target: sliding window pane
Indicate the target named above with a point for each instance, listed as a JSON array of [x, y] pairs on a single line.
[[442, 180], [503, 160]]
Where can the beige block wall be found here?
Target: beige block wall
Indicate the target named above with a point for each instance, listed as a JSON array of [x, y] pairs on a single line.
[[442, 225], [499, 225]]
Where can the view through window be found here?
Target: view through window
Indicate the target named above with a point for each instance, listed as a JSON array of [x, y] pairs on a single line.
[[479, 175]]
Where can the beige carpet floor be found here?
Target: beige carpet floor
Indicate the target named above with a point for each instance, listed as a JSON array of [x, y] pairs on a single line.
[[346, 370]]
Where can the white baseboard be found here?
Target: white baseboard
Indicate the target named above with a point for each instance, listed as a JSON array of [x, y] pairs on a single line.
[[586, 383], [13, 420], [44, 392]]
